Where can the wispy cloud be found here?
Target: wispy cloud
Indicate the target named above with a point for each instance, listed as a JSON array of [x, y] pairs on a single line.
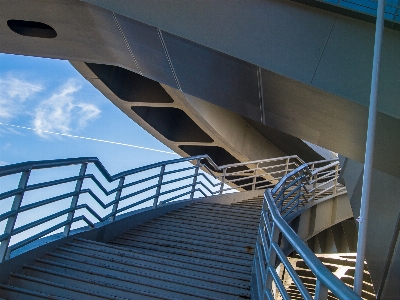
[[13, 93], [3, 163], [62, 112]]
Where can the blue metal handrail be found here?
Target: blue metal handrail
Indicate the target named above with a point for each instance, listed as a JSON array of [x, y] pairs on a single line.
[[278, 204]]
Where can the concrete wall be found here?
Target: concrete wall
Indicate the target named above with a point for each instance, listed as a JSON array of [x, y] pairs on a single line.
[[382, 247]]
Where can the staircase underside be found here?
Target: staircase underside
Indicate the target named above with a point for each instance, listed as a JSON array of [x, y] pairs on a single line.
[[202, 251]]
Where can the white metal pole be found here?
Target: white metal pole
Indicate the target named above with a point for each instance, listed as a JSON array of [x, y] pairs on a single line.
[[369, 151]]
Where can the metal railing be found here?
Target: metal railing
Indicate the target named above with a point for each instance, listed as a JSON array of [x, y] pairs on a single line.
[[144, 185], [306, 183], [369, 7], [206, 179]]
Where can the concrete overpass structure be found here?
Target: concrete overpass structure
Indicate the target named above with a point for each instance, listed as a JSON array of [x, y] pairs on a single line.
[[239, 81]]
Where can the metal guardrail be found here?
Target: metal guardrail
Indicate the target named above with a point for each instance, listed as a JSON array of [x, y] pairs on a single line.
[[369, 7], [259, 174], [306, 183]]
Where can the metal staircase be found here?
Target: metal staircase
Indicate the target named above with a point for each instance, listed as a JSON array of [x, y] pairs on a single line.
[[179, 247], [202, 251]]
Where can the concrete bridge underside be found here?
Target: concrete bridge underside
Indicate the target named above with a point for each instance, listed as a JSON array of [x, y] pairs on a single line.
[[237, 80]]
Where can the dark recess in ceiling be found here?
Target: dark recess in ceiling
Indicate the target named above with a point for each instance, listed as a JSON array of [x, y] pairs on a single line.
[[130, 86], [172, 123]]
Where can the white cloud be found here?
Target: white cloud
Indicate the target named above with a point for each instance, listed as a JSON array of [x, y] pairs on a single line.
[[3, 163], [13, 93], [61, 112]]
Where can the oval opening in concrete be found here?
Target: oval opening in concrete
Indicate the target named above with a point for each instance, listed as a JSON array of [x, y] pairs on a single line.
[[32, 29]]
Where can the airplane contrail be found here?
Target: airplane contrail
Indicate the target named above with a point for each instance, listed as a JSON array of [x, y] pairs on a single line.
[[88, 138]]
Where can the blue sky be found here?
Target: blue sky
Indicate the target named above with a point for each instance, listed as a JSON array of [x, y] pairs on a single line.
[[48, 94]]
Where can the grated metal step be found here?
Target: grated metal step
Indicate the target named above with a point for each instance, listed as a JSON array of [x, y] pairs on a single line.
[[203, 251]]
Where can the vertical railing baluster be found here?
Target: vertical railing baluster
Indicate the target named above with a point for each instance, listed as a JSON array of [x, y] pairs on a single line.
[[221, 189], [270, 259], [314, 185], [336, 180], [117, 196], [75, 198], [196, 173], [255, 178], [299, 190], [321, 292], [160, 179], [287, 166], [4, 253]]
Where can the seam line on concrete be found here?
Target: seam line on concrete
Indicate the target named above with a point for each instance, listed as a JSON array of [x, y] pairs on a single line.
[[168, 58], [261, 94], [126, 43], [323, 50]]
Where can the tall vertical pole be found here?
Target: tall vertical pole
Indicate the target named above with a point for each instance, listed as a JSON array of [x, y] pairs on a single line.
[[369, 151]]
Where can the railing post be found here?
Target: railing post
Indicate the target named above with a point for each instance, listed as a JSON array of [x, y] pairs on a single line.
[[196, 173], [160, 179], [287, 166], [336, 180], [117, 196], [300, 186], [255, 178], [75, 198], [271, 256], [321, 292], [314, 185], [221, 189], [4, 253]]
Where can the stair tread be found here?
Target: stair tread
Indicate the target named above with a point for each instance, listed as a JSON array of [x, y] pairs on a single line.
[[125, 277], [215, 229], [122, 262], [184, 223], [223, 218], [222, 208], [215, 212], [36, 284], [193, 235], [218, 222], [12, 291], [183, 249], [216, 244], [161, 288], [227, 236], [125, 251]]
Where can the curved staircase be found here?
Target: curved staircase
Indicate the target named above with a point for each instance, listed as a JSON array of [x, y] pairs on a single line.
[[202, 251], [179, 247]]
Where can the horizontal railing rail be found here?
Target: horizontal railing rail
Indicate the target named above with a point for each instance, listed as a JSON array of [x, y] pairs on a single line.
[[307, 183]]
